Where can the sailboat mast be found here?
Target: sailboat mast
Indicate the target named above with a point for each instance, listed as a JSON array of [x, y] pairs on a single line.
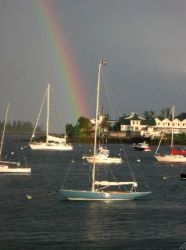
[[96, 126], [2, 139], [47, 122], [172, 127]]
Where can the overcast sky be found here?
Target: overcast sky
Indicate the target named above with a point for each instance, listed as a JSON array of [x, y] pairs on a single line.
[[142, 41]]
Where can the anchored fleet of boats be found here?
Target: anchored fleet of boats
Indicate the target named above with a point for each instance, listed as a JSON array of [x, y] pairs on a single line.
[[100, 189]]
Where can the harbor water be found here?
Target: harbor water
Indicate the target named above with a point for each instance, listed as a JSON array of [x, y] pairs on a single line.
[[48, 222]]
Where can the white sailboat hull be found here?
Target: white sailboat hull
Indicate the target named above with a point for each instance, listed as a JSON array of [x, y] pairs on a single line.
[[104, 160], [50, 146], [7, 169], [109, 196], [171, 158]]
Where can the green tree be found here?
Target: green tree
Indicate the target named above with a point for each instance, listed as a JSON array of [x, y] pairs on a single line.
[[165, 113], [83, 125], [149, 115], [181, 116], [70, 130]]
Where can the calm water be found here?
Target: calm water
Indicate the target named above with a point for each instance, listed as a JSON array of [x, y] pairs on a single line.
[[48, 222]]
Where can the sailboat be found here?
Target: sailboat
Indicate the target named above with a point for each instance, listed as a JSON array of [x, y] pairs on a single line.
[[10, 166], [175, 156], [102, 156], [99, 189], [52, 142]]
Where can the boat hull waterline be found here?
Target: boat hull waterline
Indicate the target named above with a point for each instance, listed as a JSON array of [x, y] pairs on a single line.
[[171, 158], [142, 149], [106, 160], [7, 169], [45, 146], [141, 146], [89, 195]]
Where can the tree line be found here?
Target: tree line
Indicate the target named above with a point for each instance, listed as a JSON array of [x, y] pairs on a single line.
[[20, 127], [83, 127]]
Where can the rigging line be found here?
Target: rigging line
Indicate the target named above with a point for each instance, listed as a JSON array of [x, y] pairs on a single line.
[[128, 164], [108, 96], [91, 105], [29, 196], [139, 166], [17, 139], [33, 134], [182, 168], [57, 108], [127, 161], [70, 164], [162, 135], [107, 86], [66, 175], [112, 174]]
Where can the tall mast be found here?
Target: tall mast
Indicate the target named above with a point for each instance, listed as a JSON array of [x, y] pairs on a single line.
[[2, 139], [96, 126], [47, 122], [172, 127]]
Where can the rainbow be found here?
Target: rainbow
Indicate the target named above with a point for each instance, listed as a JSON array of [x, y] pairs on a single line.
[[64, 61]]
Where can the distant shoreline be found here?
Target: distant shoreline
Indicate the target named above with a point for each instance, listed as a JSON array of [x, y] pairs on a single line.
[[123, 140]]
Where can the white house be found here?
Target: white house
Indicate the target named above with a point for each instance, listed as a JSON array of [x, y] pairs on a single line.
[[152, 127]]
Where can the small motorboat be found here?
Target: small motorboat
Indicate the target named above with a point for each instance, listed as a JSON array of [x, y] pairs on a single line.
[[142, 146]]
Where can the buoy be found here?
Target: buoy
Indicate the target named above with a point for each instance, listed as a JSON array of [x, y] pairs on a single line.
[[29, 196]]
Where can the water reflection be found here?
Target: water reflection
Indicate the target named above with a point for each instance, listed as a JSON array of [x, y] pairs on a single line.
[[99, 224]]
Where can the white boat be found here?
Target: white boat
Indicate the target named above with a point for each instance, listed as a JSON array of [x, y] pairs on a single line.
[[9, 166], [142, 146], [103, 190], [51, 142], [102, 157], [13, 169], [175, 156]]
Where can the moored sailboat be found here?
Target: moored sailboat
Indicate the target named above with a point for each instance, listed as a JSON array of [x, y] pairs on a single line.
[[51, 142], [103, 190], [10, 166], [175, 156]]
